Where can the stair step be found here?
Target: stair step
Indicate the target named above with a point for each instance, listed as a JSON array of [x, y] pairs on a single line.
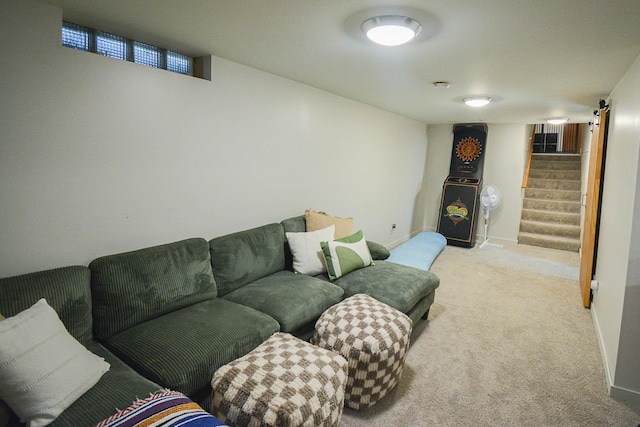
[[557, 156], [561, 243], [554, 174], [551, 205], [550, 229], [554, 184], [565, 195], [551, 216], [555, 164], [560, 156]]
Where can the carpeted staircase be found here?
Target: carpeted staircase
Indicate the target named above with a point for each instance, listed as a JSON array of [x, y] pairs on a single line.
[[551, 206]]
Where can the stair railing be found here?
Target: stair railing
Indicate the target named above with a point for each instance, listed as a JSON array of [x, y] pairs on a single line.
[[525, 181]]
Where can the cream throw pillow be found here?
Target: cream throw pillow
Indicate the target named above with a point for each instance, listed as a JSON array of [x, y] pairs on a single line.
[[306, 250], [43, 369], [319, 220]]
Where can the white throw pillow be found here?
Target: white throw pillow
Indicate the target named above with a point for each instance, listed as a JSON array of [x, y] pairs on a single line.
[[306, 250], [43, 369]]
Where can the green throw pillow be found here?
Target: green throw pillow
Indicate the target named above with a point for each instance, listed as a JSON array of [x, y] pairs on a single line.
[[346, 254]]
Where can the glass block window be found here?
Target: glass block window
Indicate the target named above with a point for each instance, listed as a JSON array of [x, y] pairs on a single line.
[[148, 55], [111, 45], [89, 40], [76, 36], [179, 63]]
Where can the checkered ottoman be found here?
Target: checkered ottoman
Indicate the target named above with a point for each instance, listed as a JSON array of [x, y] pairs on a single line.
[[281, 383], [374, 338]]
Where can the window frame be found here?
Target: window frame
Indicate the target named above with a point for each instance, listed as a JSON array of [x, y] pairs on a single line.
[[187, 66]]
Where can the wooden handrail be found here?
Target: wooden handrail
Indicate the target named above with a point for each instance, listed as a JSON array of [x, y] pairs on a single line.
[[525, 181]]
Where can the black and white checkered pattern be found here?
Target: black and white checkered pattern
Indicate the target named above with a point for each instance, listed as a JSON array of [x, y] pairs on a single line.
[[283, 382], [374, 338]]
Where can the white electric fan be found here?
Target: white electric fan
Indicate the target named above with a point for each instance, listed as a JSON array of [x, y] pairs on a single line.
[[490, 199]]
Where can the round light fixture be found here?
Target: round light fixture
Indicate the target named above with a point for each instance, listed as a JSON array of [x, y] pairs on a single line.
[[557, 120], [477, 101], [391, 30]]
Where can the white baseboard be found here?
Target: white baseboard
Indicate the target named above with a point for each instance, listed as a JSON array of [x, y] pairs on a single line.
[[620, 394], [628, 397], [394, 244], [479, 239], [496, 240], [603, 354]]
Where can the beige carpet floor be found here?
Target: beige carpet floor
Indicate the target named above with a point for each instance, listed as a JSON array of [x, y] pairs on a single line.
[[507, 343]]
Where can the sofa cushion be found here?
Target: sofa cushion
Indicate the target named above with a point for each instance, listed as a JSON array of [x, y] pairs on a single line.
[[43, 369], [132, 287], [67, 290], [242, 257], [296, 224], [292, 299], [182, 349], [118, 388], [421, 309], [397, 285]]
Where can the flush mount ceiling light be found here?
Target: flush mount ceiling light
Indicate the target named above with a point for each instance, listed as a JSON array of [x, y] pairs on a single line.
[[477, 101], [557, 120], [391, 30]]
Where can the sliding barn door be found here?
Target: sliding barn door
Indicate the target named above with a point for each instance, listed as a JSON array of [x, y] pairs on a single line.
[[592, 207]]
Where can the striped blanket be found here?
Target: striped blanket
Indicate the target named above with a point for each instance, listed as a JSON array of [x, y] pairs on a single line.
[[163, 409]]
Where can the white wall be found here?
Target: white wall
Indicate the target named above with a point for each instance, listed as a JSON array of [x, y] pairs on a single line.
[[437, 167], [100, 156], [616, 304], [504, 166]]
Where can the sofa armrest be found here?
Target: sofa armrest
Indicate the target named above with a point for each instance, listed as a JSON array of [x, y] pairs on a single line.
[[378, 251]]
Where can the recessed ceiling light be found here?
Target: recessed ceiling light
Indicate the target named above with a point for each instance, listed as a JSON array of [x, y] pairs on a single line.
[[557, 120], [477, 101], [441, 84], [391, 30]]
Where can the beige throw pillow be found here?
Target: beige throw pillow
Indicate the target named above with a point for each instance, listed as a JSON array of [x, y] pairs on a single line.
[[319, 220]]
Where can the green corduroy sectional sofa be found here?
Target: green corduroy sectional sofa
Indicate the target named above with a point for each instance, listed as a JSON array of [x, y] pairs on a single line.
[[169, 316]]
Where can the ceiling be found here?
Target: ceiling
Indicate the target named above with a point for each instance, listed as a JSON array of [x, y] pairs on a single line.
[[536, 59]]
